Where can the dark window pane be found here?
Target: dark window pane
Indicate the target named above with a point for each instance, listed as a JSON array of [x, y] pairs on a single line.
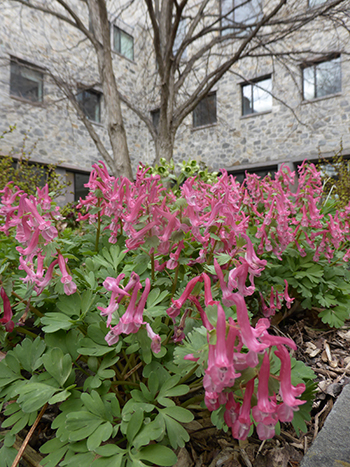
[[328, 80], [155, 114], [205, 112], [123, 43], [26, 82], [90, 103], [80, 191], [257, 97], [322, 79]]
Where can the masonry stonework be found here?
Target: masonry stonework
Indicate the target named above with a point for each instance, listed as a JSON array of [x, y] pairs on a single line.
[[293, 130]]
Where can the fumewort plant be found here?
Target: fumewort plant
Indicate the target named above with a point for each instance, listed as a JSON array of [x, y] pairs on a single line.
[[121, 331]]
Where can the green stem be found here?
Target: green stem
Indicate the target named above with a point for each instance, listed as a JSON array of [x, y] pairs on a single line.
[[188, 375], [198, 398], [152, 266], [125, 383], [98, 226], [173, 289], [34, 310], [22, 330]]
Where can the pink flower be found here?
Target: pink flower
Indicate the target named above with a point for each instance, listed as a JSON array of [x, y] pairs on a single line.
[[241, 426], [286, 296], [265, 405], [174, 310], [7, 319], [232, 410], [42, 283], [288, 392], [68, 285], [202, 313], [155, 338], [247, 333]]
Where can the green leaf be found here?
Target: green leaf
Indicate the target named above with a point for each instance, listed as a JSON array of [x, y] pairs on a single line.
[[81, 425], [179, 413], [59, 397], [7, 456], [32, 396], [69, 305], [115, 461], [158, 454], [152, 431], [168, 385], [55, 321], [29, 353], [335, 317], [134, 424], [7, 376], [177, 434], [109, 450], [94, 404], [103, 433], [58, 365]]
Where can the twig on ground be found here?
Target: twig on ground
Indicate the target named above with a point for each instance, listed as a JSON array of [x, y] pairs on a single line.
[[29, 435]]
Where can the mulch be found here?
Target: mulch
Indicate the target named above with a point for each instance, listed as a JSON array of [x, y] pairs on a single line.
[[325, 350]]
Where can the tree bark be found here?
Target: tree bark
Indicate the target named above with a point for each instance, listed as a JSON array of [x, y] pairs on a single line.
[[115, 125]]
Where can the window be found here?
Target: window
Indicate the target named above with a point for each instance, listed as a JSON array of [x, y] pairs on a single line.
[[205, 112], [314, 3], [80, 191], [90, 103], [260, 172], [155, 115], [256, 97], [322, 79], [236, 12], [123, 43], [180, 36], [26, 81]]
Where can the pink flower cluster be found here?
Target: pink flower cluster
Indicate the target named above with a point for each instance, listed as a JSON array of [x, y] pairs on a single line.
[[34, 219], [240, 346], [132, 319]]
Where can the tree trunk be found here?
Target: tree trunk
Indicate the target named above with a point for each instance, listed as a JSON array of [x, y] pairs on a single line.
[[164, 145], [115, 125]]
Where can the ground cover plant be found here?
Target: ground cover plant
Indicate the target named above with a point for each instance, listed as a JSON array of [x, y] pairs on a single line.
[[160, 305]]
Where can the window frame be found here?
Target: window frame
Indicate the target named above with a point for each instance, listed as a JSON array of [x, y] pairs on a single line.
[[314, 64], [252, 83], [119, 31], [212, 123], [14, 61], [95, 92]]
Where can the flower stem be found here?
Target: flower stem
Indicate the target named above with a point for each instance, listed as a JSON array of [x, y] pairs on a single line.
[[98, 226]]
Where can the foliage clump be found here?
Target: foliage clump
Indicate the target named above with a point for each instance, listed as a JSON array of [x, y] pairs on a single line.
[[17, 169], [336, 178], [144, 319]]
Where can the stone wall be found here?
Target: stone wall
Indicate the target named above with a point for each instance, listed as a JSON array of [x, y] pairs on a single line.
[[292, 131]]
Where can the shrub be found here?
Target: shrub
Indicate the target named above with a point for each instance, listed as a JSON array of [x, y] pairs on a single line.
[[21, 172]]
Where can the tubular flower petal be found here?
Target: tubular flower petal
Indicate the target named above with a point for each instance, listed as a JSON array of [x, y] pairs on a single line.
[[7, 319], [287, 390]]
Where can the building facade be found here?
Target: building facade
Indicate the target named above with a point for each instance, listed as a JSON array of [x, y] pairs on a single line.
[[262, 113]]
